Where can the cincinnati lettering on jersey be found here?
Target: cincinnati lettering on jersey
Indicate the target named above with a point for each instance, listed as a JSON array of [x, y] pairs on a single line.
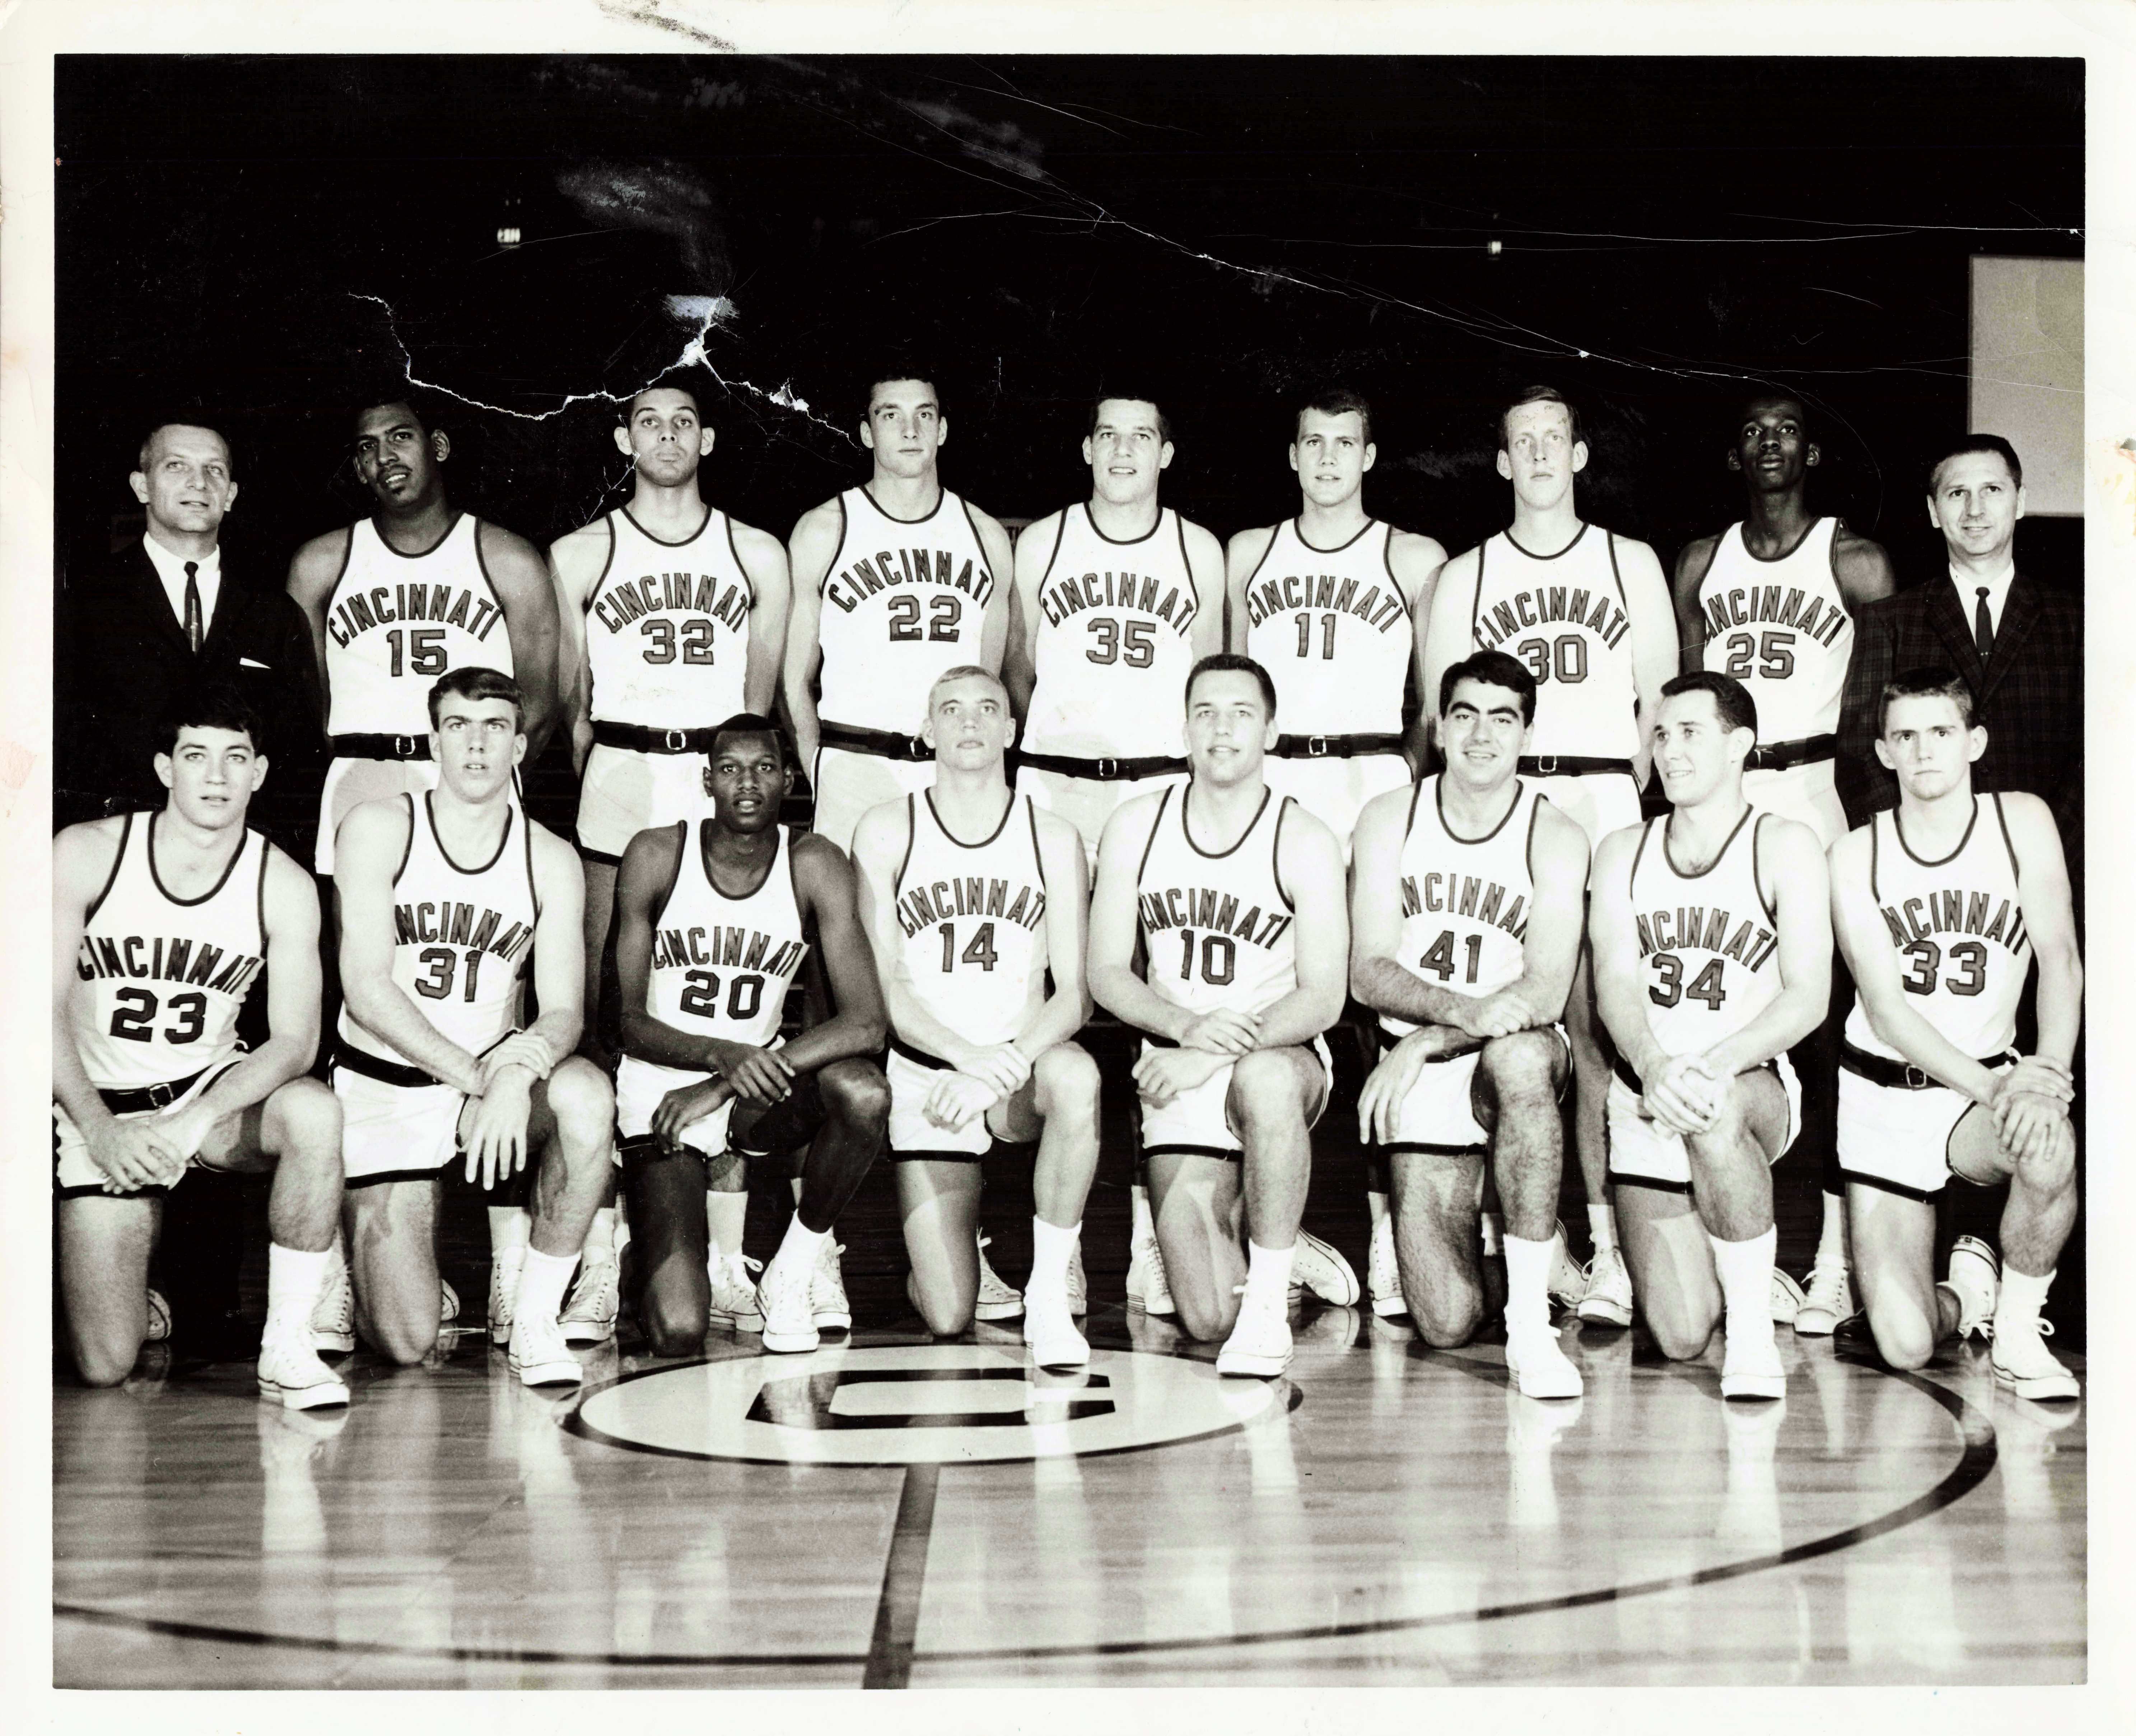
[[448, 924], [921, 907], [173, 960], [1479, 898], [1752, 603], [1197, 907], [1306, 590], [358, 612], [864, 578], [1694, 928], [1952, 911], [1072, 593], [681, 593], [747, 949], [1544, 604]]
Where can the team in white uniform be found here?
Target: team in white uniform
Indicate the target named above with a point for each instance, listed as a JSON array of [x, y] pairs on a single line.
[[1942, 906]]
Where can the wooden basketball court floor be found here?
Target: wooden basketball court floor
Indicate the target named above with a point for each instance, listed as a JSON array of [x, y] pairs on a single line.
[[892, 1512]]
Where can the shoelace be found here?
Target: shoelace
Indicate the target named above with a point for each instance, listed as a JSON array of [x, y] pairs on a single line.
[[2045, 1328]]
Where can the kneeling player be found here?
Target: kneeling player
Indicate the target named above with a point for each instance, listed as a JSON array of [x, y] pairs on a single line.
[[162, 922], [1465, 927], [973, 897], [713, 922], [1940, 908], [1237, 898], [1712, 938], [446, 897]]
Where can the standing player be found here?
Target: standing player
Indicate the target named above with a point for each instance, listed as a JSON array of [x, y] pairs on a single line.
[[894, 582], [975, 900], [1236, 894], [162, 922], [1712, 949], [1771, 602], [1941, 906], [446, 897], [1332, 603], [1588, 612], [398, 599], [714, 920], [1465, 928]]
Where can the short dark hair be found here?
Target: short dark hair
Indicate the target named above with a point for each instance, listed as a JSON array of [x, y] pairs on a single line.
[[1538, 394], [210, 705], [1731, 699], [1928, 680], [1338, 401], [1218, 662], [688, 381], [149, 439], [1131, 394], [379, 400], [749, 723], [1498, 670], [477, 681], [1979, 443], [899, 367]]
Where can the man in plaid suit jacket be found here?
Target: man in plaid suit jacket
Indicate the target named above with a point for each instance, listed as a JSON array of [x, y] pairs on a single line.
[[2027, 690]]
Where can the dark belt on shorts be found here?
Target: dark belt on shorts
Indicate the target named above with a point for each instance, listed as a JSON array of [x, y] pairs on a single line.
[[1881, 1069], [371, 1066], [1335, 747], [1780, 756], [380, 747], [884, 744], [1569, 765], [142, 1098], [642, 740], [1623, 1068], [917, 1057], [1106, 771]]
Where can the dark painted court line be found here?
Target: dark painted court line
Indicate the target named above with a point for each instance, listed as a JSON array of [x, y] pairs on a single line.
[[904, 1576]]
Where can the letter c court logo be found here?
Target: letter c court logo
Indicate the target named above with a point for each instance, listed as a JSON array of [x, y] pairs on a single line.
[[911, 1404]]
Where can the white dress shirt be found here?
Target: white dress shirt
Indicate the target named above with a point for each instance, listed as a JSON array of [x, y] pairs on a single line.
[[171, 568], [1999, 584]]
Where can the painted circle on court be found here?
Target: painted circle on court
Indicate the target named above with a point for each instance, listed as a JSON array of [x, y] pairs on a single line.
[[917, 1404]]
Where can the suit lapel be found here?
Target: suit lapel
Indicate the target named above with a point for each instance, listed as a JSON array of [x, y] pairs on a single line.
[[153, 599], [2020, 611], [1948, 619]]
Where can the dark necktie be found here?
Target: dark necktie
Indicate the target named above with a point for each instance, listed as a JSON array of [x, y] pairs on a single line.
[[1983, 625], [193, 607]]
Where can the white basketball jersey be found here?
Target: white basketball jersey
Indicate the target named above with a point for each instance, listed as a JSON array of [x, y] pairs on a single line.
[[1112, 648], [1711, 965], [974, 917], [395, 622], [721, 965], [1465, 901], [1332, 627], [667, 626], [1218, 927], [462, 937], [1958, 930], [162, 978], [1563, 615], [904, 600], [1780, 627]]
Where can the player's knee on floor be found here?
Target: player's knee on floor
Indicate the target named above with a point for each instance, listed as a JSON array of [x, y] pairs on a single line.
[[1905, 1338], [675, 1315], [106, 1358], [855, 1093], [405, 1337], [1448, 1319], [1681, 1330], [945, 1308]]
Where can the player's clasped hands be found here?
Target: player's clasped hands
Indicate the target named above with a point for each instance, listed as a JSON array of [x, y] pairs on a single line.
[[521, 1049], [137, 1154], [956, 1099], [762, 1075], [687, 1104], [1224, 1031], [493, 1127], [1003, 1066], [1498, 1015], [1683, 1094], [1163, 1074]]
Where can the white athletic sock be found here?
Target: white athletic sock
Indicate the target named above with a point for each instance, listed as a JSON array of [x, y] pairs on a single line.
[[1746, 1271], [802, 1243], [599, 1247], [1528, 1284], [1376, 1204], [1143, 1227], [541, 1282], [1832, 1238], [1050, 1246], [725, 1215], [1267, 1272], [1491, 1227], [2017, 1305], [510, 1226], [294, 1279], [1602, 1226]]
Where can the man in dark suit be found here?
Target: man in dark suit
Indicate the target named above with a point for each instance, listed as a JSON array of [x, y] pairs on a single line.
[[162, 617], [2018, 645]]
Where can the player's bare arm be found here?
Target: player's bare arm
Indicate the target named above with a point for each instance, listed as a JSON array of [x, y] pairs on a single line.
[[880, 843], [1654, 648], [314, 570], [1619, 994], [1114, 925], [995, 543], [1448, 633], [1034, 553], [1417, 561], [1205, 561], [814, 546], [825, 888], [1308, 867], [527, 595], [2036, 1094], [576, 563], [1862, 569], [1692, 567], [762, 557], [1791, 871], [1242, 556]]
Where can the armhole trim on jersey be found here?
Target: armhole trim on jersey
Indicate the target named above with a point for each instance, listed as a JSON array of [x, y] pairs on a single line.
[[1387, 560], [111, 880], [749, 583], [1832, 561], [1528, 851], [1875, 896], [1179, 524], [979, 542], [608, 561], [1610, 542], [1639, 850], [1757, 872], [1060, 535], [533, 885], [408, 846], [1037, 856], [1476, 602], [1275, 532], [1416, 795], [660, 909], [1149, 843], [911, 837], [2009, 843], [482, 566], [1275, 856], [347, 554], [266, 850], [845, 525]]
